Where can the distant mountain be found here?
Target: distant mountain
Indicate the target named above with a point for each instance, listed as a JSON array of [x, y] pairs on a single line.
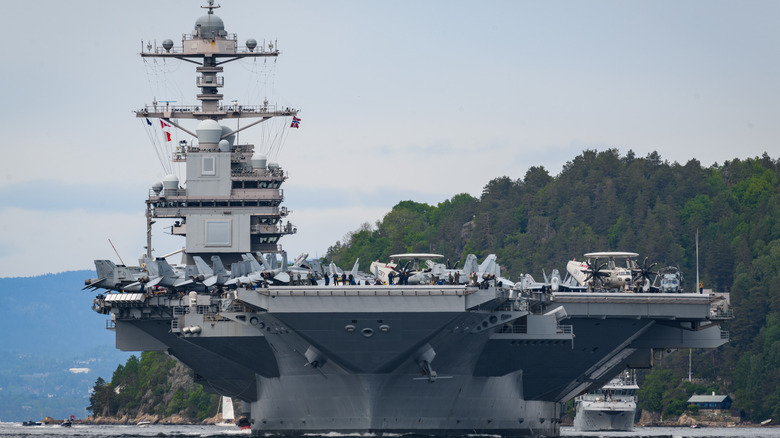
[[50, 313], [54, 347]]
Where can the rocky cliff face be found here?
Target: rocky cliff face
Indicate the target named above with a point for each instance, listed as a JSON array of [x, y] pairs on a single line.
[[708, 418], [157, 388]]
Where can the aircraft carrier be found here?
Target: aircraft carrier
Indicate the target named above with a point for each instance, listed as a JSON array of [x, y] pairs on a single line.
[[427, 359]]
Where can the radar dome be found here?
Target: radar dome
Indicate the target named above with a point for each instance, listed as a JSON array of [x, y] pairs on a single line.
[[230, 138], [168, 45], [157, 187], [170, 182], [273, 165], [209, 133], [258, 161], [251, 43], [210, 25], [224, 146]]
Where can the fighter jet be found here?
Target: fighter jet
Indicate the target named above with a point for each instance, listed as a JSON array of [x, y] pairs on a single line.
[[113, 277], [161, 274], [553, 283], [357, 275]]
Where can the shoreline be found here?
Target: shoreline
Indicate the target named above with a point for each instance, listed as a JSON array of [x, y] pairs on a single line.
[[174, 420]]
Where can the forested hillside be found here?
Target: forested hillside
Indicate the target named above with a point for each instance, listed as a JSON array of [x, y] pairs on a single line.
[[156, 387], [602, 201]]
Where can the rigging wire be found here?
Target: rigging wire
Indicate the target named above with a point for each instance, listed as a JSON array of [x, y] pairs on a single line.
[[161, 79], [152, 139], [265, 79], [273, 131], [162, 82], [171, 148], [277, 138]]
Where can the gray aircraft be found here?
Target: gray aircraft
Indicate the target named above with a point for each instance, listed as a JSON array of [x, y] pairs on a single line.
[[605, 276], [357, 275], [162, 275], [670, 279], [217, 276], [643, 276], [553, 283], [113, 277]]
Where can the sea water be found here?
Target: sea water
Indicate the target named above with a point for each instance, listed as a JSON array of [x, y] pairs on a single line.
[[681, 432], [8, 430], [11, 430]]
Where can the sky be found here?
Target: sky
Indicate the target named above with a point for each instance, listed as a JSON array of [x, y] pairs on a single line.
[[402, 100]]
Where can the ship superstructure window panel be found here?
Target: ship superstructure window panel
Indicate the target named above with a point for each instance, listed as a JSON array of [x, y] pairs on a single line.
[[218, 233], [208, 168]]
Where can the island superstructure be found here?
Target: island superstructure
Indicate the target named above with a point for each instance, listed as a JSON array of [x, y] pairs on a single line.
[[429, 359], [231, 203]]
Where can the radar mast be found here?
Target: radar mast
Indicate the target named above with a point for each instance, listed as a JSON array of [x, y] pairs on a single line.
[[232, 201]]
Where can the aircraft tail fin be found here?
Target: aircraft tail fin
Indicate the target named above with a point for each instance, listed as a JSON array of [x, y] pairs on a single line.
[[190, 271], [253, 263], [237, 269], [164, 268], [218, 267], [266, 264], [471, 265], [105, 268], [151, 267], [203, 267], [488, 265], [355, 267]]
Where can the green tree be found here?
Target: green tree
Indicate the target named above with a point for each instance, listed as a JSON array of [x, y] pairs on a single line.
[[101, 401]]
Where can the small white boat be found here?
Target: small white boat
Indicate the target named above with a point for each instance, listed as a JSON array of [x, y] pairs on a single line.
[[228, 416], [144, 423]]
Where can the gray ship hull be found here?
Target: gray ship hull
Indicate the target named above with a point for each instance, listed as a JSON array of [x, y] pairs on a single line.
[[592, 420], [304, 363], [313, 401]]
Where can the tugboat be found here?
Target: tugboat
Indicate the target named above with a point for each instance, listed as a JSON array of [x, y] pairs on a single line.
[[449, 359]]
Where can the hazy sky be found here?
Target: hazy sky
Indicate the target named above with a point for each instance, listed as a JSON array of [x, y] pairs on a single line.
[[399, 100]]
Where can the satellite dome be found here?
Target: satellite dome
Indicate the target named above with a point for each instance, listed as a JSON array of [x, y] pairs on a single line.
[[224, 146], [158, 186], [168, 45], [210, 25], [230, 138], [259, 161], [170, 182], [209, 133], [251, 43]]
